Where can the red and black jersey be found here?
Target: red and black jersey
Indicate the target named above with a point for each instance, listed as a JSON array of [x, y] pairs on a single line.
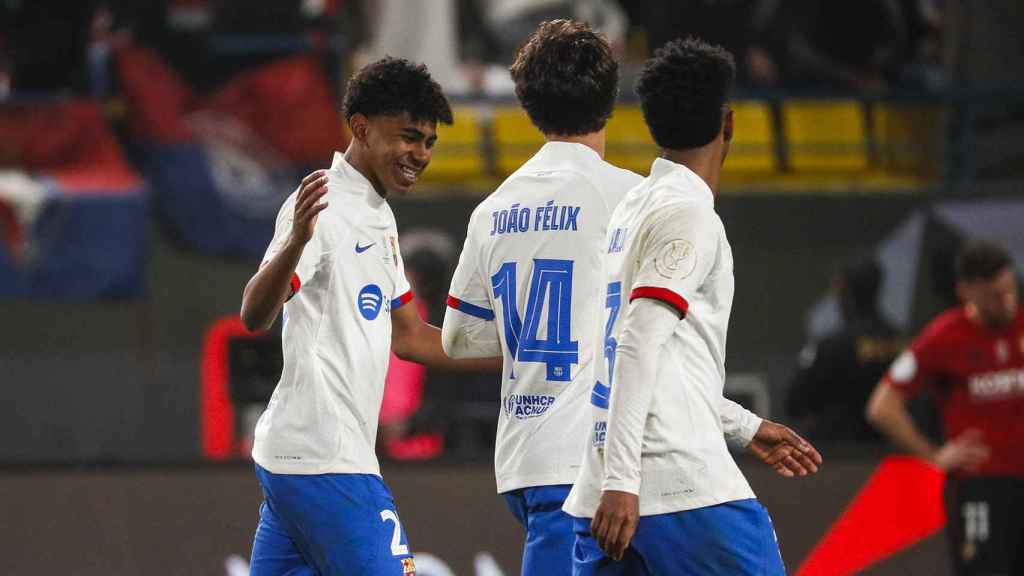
[[977, 375]]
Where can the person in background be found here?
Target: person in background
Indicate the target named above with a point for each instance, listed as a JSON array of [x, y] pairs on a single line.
[[406, 430], [838, 373], [971, 358]]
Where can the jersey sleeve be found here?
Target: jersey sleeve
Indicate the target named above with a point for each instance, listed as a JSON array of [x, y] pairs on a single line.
[[311, 253], [918, 366], [469, 294], [739, 425], [469, 330], [677, 251], [403, 291]]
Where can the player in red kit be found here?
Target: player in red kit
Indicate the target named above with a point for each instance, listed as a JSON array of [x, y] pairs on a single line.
[[972, 359]]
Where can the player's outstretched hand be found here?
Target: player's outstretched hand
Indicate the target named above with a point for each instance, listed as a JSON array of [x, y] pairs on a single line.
[[967, 451], [308, 206], [784, 450], [615, 522]]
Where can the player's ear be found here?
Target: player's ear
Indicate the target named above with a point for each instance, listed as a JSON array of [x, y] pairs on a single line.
[[727, 125], [359, 124], [963, 291]]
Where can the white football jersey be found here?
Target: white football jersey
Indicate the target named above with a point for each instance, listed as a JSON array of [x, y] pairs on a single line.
[[666, 242], [322, 417], [530, 278]]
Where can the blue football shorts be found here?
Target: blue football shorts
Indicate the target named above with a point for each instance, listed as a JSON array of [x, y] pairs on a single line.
[[549, 530], [734, 539], [328, 524]]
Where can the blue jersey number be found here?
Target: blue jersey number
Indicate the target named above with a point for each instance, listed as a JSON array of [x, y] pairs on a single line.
[[551, 284], [601, 393]]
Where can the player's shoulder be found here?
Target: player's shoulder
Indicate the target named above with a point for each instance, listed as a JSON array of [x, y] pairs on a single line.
[[951, 324], [613, 176], [669, 205]]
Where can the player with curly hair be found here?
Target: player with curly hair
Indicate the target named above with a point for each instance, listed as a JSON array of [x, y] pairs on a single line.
[[335, 268], [658, 492], [530, 285]]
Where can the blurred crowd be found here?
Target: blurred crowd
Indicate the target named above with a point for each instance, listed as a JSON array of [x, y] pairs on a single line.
[[793, 45]]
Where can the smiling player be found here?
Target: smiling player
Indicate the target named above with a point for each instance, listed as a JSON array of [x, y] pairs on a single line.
[[335, 268]]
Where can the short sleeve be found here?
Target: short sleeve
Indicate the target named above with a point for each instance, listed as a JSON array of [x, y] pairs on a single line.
[[403, 291], [468, 293], [677, 252], [311, 253], [918, 366]]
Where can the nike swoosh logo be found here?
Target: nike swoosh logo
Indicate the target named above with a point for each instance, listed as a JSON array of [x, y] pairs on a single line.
[[361, 249]]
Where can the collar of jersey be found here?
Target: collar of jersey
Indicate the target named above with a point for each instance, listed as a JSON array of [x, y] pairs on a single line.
[[556, 150], [663, 168], [355, 182]]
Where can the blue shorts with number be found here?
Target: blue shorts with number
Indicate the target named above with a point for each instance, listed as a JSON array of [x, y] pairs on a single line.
[[328, 524], [549, 530], [734, 539]]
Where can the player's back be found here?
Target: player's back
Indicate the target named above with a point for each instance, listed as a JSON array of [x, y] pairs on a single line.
[[537, 244], [666, 242]]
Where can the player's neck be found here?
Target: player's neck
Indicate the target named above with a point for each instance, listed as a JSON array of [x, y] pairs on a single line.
[[592, 140], [703, 162], [355, 159]]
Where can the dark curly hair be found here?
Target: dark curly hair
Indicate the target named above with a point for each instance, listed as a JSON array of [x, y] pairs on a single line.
[[391, 86], [566, 78], [981, 260], [683, 90]]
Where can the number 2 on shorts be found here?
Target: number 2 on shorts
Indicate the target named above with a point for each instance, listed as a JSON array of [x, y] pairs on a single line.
[[397, 548]]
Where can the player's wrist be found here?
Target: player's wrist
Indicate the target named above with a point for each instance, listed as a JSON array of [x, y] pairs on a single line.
[[296, 242], [621, 485]]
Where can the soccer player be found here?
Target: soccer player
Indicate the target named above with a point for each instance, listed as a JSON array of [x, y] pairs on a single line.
[[335, 267], [530, 285], [972, 360], [659, 492]]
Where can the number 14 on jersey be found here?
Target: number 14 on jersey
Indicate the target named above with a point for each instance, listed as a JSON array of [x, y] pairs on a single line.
[[550, 285]]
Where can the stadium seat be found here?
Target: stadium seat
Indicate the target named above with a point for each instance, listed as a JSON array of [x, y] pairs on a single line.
[[908, 137], [458, 155], [753, 144], [825, 135], [629, 144], [516, 139]]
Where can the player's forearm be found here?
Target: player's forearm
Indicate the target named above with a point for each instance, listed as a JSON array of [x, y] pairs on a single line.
[[738, 424], [887, 411], [268, 289], [423, 345], [647, 325]]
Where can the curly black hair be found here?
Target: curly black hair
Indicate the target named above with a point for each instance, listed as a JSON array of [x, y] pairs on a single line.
[[981, 260], [391, 86], [683, 90], [566, 78]]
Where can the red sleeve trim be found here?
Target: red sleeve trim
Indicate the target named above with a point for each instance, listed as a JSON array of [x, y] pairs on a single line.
[[402, 300], [471, 309], [296, 283], [663, 294]]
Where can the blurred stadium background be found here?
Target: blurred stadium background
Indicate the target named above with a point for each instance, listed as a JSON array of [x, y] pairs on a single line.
[[145, 148]]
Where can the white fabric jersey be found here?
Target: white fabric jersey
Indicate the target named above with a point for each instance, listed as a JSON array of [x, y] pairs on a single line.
[[529, 285], [322, 417], [666, 242]]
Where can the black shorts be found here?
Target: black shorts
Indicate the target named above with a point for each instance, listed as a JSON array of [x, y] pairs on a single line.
[[986, 526]]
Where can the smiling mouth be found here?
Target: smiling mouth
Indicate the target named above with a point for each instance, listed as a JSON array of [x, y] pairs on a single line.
[[408, 172]]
